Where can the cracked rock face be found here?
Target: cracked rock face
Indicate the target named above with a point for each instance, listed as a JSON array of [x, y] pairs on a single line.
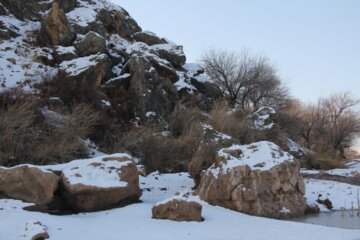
[[261, 188]]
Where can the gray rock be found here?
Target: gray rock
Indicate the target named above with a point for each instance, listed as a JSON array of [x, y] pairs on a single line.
[[172, 53], [147, 91], [92, 43]]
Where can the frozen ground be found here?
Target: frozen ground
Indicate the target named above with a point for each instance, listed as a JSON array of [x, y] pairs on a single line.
[[135, 222]]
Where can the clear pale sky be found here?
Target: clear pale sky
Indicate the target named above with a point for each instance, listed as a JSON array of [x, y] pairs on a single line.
[[314, 44]]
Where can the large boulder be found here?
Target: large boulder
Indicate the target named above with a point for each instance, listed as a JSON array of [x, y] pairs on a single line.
[[172, 53], [84, 75], [257, 179], [97, 184], [205, 155], [56, 29], [28, 184], [178, 209], [147, 92], [91, 44], [149, 38]]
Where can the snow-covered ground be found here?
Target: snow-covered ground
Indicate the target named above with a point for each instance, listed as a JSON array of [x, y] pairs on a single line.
[[135, 222], [353, 169]]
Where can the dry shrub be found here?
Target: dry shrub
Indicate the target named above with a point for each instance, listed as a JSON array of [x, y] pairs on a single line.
[[169, 154], [27, 136], [321, 161], [234, 124], [183, 117]]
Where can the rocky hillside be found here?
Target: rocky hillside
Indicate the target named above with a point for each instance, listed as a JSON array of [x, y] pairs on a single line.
[[94, 51]]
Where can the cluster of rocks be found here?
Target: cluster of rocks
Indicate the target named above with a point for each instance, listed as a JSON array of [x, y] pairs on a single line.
[[103, 57], [81, 185]]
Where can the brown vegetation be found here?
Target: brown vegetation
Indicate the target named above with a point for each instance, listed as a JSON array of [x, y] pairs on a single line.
[[31, 133]]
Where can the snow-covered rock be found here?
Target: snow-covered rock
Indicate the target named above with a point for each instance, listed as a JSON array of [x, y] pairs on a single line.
[[257, 179], [172, 53], [262, 119], [178, 208], [92, 43], [100, 183], [35, 231]]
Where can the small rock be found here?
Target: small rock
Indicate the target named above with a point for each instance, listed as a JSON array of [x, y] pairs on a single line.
[[178, 210]]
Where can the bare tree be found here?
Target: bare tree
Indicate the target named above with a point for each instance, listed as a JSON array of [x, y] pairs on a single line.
[[331, 124], [247, 80]]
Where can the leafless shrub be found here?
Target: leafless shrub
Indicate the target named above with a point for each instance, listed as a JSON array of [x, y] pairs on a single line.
[[29, 136], [233, 123]]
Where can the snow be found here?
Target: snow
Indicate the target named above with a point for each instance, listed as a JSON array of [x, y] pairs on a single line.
[[119, 78], [150, 114], [258, 156], [135, 221], [16, 64], [353, 169], [98, 173], [33, 228], [342, 195], [217, 134], [294, 147], [184, 83], [86, 13], [194, 70], [64, 50], [106, 103], [169, 47], [79, 65], [285, 210], [261, 116], [356, 145]]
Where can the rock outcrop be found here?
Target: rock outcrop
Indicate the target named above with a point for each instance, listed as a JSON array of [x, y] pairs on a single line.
[[205, 155], [100, 184], [178, 209], [172, 53], [83, 76], [28, 184], [148, 92], [56, 29], [257, 179]]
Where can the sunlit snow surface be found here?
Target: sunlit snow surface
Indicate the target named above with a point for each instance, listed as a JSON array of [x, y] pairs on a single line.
[[135, 222]]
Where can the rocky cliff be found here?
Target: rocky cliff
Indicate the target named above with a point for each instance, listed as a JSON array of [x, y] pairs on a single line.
[[94, 51]]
